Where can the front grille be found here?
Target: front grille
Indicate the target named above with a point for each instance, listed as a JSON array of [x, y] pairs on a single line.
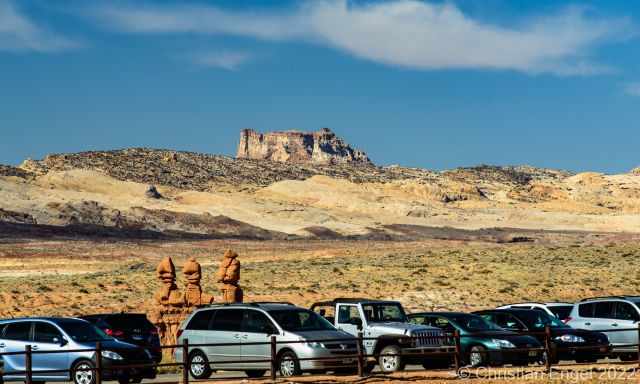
[[341, 346], [429, 338]]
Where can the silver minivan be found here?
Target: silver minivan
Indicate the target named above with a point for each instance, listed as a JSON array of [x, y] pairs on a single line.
[[67, 334], [616, 316], [300, 333]]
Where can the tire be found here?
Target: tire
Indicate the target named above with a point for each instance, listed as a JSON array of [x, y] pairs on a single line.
[[586, 360], [254, 374], [390, 364], [477, 356], [199, 367], [124, 380], [80, 373], [288, 364]]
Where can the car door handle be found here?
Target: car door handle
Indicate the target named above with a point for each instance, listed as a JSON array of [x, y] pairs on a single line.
[[237, 336], [34, 348], [614, 324], [587, 323], [2, 345], [245, 337]]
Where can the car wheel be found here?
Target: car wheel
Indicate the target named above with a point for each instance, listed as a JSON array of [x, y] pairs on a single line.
[[124, 380], [478, 356], [255, 373], [82, 372], [390, 359], [289, 364], [199, 365]]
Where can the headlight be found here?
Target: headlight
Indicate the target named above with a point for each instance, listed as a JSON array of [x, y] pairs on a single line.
[[111, 355], [503, 343], [315, 344], [570, 339]]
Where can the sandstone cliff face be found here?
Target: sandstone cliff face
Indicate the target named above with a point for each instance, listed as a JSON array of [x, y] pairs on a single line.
[[321, 147]]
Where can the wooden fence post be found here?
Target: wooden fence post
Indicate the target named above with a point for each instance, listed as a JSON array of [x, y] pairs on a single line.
[[359, 347], [547, 347], [98, 363], [185, 361], [274, 357], [457, 358], [28, 365]]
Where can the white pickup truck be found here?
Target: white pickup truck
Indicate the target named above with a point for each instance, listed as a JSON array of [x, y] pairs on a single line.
[[388, 337]]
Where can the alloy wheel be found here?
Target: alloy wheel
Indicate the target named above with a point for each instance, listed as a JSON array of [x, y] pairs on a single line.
[[83, 374]]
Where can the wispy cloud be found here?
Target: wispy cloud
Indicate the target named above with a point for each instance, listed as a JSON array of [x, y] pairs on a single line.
[[20, 34], [632, 89], [230, 61], [405, 33]]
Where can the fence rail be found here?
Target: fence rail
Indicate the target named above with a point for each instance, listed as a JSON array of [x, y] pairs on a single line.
[[359, 356]]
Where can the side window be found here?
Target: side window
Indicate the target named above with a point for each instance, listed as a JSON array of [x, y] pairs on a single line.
[[228, 320], [201, 320], [346, 313], [18, 331], [417, 320], [586, 310], [506, 320], [625, 311], [46, 333], [443, 323], [257, 322], [604, 310], [489, 317]]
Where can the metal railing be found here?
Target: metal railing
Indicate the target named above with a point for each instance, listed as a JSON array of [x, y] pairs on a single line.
[[450, 350]]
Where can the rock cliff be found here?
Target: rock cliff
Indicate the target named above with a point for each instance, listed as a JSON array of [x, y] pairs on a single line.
[[321, 147]]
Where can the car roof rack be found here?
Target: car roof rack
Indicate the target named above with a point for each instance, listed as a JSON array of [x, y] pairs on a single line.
[[258, 303], [622, 297], [348, 300]]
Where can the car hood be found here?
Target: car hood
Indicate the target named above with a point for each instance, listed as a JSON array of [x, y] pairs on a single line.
[[517, 339], [126, 350], [324, 335], [398, 328]]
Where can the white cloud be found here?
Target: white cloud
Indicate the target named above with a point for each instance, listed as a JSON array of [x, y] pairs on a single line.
[[19, 34], [405, 33], [230, 61], [632, 89]]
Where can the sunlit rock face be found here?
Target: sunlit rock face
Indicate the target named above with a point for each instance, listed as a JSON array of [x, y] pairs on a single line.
[[321, 147]]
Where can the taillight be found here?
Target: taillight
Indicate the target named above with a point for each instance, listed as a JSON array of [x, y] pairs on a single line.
[[114, 333], [568, 319], [179, 333]]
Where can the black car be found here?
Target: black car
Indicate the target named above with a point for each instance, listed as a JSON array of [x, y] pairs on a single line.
[[589, 346], [133, 328]]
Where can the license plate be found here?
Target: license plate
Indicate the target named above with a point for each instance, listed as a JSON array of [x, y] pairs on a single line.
[[603, 349], [533, 353], [348, 361]]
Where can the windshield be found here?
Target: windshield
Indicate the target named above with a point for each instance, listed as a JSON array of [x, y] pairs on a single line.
[[472, 323], [384, 312], [539, 320], [82, 331], [301, 320]]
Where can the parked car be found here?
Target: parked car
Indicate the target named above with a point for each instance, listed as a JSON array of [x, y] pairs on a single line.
[[67, 334], [388, 333], [591, 346], [607, 314], [133, 328], [301, 335], [557, 309], [483, 342]]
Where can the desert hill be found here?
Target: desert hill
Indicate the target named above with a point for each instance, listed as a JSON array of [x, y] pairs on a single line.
[[217, 196]]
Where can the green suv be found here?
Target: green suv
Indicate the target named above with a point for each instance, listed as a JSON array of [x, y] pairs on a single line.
[[482, 342]]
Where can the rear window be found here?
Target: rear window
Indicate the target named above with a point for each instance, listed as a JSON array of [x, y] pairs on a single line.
[[561, 311], [129, 321]]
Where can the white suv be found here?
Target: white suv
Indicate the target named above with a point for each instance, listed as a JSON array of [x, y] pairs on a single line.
[[608, 314], [556, 309]]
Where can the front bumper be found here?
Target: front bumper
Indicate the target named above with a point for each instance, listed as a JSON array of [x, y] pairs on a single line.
[[428, 354], [112, 369], [598, 351], [506, 356], [329, 359]]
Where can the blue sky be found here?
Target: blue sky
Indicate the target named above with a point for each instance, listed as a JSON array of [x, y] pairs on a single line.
[[418, 83]]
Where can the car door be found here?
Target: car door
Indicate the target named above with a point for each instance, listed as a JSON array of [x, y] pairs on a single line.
[[256, 328], [626, 317], [604, 320], [226, 328], [348, 318], [198, 330], [584, 318], [47, 337], [15, 338]]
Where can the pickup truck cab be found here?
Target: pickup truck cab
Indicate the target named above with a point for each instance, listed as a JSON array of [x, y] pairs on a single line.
[[388, 336]]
